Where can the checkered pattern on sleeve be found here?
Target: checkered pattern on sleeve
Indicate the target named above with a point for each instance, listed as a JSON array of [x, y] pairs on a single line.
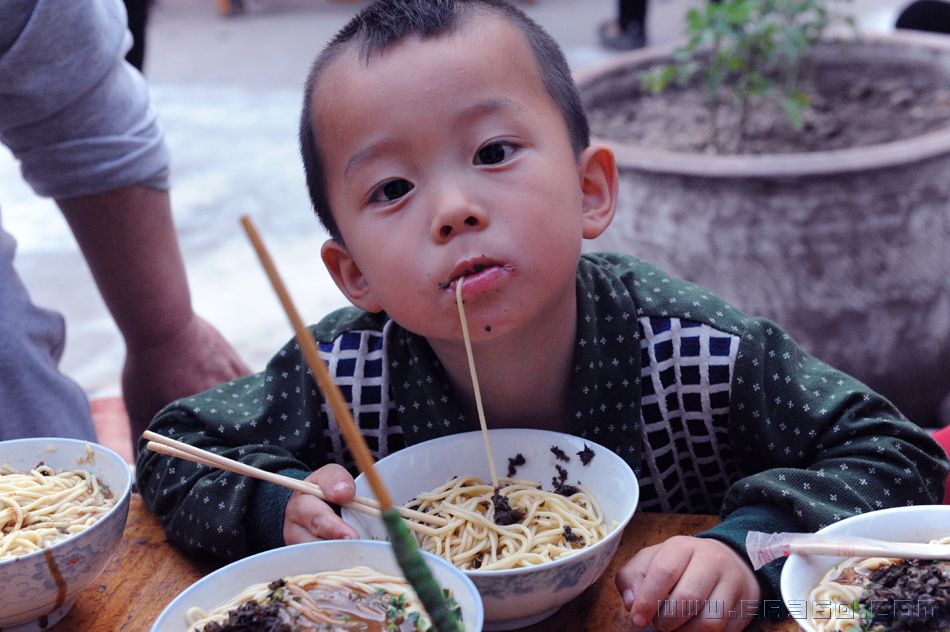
[[685, 379], [357, 362]]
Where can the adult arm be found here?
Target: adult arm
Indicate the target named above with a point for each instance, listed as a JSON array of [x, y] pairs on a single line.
[[80, 121], [128, 239]]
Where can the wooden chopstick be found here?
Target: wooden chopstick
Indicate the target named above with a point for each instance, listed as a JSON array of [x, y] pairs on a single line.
[[404, 546], [848, 546], [171, 447], [331, 392]]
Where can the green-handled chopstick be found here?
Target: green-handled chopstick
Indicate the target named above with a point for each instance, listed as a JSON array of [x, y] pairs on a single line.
[[404, 545]]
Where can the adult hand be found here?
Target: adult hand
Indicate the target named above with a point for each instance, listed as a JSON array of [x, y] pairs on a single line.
[[307, 518], [687, 570], [192, 359]]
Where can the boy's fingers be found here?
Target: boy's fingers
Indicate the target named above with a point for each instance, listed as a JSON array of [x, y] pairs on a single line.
[[730, 602], [716, 614], [326, 525], [664, 572], [336, 483], [689, 598], [320, 520], [295, 534], [631, 575]]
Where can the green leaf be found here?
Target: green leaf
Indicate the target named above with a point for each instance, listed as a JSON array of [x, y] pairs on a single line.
[[794, 105], [744, 48], [658, 79]]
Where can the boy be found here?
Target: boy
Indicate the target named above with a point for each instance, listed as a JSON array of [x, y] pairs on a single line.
[[444, 140]]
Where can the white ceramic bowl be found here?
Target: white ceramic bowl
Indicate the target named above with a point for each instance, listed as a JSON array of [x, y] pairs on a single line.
[[29, 594], [801, 573], [517, 597], [312, 557]]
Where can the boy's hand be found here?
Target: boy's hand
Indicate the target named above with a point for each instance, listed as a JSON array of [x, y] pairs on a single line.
[[307, 518], [687, 569]]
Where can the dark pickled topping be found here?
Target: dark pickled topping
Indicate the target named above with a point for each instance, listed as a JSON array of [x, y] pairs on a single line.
[[586, 455], [566, 490], [559, 454], [515, 462], [477, 562], [911, 596], [251, 617], [504, 514], [559, 483], [570, 536]]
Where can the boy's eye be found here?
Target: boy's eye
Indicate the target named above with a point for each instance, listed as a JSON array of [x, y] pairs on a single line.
[[494, 153], [392, 190]]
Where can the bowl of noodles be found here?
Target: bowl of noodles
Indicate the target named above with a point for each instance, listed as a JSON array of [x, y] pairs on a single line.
[[330, 585], [534, 542], [825, 593], [63, 507]]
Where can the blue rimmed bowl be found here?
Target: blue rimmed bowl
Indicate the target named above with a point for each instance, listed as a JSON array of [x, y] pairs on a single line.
[[38, 589], [801, 573], [312, 557], [517, 597]]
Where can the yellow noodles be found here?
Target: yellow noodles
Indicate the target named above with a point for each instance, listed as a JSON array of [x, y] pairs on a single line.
[[42, 507], [353, 598], [473, 541]]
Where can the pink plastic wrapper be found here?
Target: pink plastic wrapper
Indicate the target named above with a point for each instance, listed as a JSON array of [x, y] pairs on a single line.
[[765, 547]]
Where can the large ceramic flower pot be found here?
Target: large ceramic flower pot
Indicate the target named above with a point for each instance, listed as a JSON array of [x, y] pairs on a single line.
[[849, 249]]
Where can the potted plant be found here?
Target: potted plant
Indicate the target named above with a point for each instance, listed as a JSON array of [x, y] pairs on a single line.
[[802, 178]]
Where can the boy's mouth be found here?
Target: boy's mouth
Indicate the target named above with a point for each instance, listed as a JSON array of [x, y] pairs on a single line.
[[469, 267]]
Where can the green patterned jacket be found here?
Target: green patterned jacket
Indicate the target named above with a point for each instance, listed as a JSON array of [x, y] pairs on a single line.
[[715, 411]]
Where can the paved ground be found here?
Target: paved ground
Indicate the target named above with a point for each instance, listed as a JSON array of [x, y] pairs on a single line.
[[227, 92]]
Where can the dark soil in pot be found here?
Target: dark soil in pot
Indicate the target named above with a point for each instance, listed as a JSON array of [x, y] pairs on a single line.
[[854, 102]]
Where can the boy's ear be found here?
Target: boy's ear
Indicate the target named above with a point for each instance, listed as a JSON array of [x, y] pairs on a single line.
[[598, 173], [348, 276]]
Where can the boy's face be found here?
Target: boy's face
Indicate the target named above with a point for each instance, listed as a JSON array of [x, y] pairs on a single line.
[[447, 157]]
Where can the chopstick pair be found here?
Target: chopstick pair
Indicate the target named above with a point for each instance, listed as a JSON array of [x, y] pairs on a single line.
[[170, 447], [762, 548]]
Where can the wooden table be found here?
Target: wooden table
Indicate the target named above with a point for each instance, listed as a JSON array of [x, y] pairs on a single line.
[[147, 572]]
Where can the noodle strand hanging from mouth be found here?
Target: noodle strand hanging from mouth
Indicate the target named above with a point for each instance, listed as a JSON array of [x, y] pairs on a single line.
[[471, 368]]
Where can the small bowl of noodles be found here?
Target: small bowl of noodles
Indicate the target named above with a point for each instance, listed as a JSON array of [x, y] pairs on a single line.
[[330, 585], [537, 540], [63, 507], [825, 593]]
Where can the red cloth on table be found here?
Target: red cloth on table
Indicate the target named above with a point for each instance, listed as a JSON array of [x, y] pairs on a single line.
[[943, 438]]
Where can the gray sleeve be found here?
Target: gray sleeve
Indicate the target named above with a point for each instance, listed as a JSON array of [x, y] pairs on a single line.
[[75, 115]]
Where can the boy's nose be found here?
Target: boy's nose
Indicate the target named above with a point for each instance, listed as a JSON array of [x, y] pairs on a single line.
[[458, 219]]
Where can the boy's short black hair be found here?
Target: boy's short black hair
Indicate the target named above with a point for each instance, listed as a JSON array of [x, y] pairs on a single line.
[[386, 22]]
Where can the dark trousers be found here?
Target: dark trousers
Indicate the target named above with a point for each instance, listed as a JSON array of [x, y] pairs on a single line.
[[138, 20], [926, 15], [634, 12]]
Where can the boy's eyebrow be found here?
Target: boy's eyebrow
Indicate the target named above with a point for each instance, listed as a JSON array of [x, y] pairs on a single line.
[[364, 153], [475, 111], [488, 106]]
